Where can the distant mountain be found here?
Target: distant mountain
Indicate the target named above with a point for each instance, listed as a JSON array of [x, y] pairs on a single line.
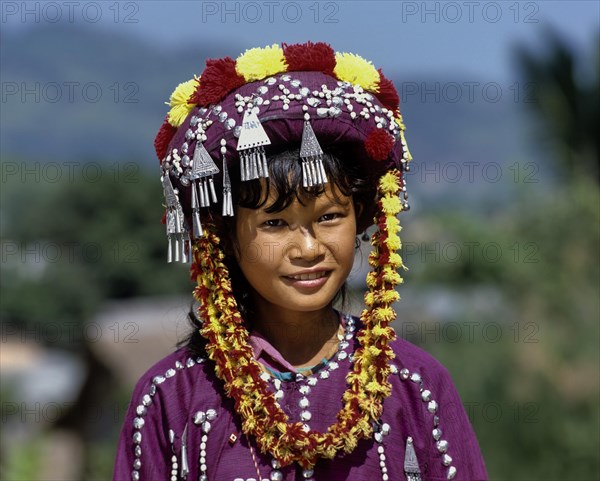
[[71, 93], [81, 94]]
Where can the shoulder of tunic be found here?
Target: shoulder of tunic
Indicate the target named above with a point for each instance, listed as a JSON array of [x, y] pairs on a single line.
[[415, 358], [426, 406], [176, 377], [180, 359], [448, 445]]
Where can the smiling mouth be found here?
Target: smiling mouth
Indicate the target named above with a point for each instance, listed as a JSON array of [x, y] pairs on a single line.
[[309, 277]]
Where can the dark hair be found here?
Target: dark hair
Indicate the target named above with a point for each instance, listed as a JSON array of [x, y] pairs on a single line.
[[285, 177]]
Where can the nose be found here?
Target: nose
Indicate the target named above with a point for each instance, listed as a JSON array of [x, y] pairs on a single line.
[[305, 246]]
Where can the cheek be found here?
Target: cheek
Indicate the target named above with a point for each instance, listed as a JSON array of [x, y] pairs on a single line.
[[258, 256], [342, 247], [250, 254]]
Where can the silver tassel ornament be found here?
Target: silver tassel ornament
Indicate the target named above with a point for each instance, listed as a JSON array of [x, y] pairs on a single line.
[[250, 146], [311, 155], [197, 224], [177, 234], [203, 187], [227, 197]]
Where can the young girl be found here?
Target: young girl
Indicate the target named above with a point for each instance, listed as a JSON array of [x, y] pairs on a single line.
[[272, 164]]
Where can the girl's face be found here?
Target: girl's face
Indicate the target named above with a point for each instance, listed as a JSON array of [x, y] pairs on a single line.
[[297, 259]]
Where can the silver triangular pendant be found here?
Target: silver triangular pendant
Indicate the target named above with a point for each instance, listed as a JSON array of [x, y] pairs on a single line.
[[253, 134], [168, 191], [411, 464], [310, 146], [311, 154], [177, 234], [202, 165], [250, 147]]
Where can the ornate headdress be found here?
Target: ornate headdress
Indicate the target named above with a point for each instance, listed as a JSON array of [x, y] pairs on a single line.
[[279, 95]]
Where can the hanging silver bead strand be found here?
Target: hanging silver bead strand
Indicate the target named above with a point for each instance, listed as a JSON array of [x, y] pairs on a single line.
[[380, 431], [204, 419], [227, 197], [432, 406]]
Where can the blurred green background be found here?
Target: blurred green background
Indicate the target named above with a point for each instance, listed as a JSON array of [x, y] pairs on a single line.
[[504, 270]]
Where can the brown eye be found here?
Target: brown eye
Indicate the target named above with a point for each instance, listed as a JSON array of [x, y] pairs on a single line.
[[274, 223], [329, 217]]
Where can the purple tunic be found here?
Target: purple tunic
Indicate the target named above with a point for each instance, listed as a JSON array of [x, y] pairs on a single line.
[[178, 395]]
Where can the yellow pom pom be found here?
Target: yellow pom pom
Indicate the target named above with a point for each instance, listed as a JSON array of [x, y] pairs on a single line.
[[389, 184], [329, 451], [391, 205], [371, 280], [356, 70], [369, 299], [393, 243], [392, 224], [383, 314], [384, 332], [178, 102], [391, 276], [373, 351], [375, 387], [390, 296], [258, 63], [350, 443], [395, 260], [363, 375], [374, 257]]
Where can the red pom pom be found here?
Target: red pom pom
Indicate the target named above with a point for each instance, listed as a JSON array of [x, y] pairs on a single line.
[[163, 138], [379, 144], [218, 79], [318, 57], [163, 220], [387, 94]]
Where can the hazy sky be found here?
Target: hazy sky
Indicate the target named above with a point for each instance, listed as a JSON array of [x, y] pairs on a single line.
[[472, 37]]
